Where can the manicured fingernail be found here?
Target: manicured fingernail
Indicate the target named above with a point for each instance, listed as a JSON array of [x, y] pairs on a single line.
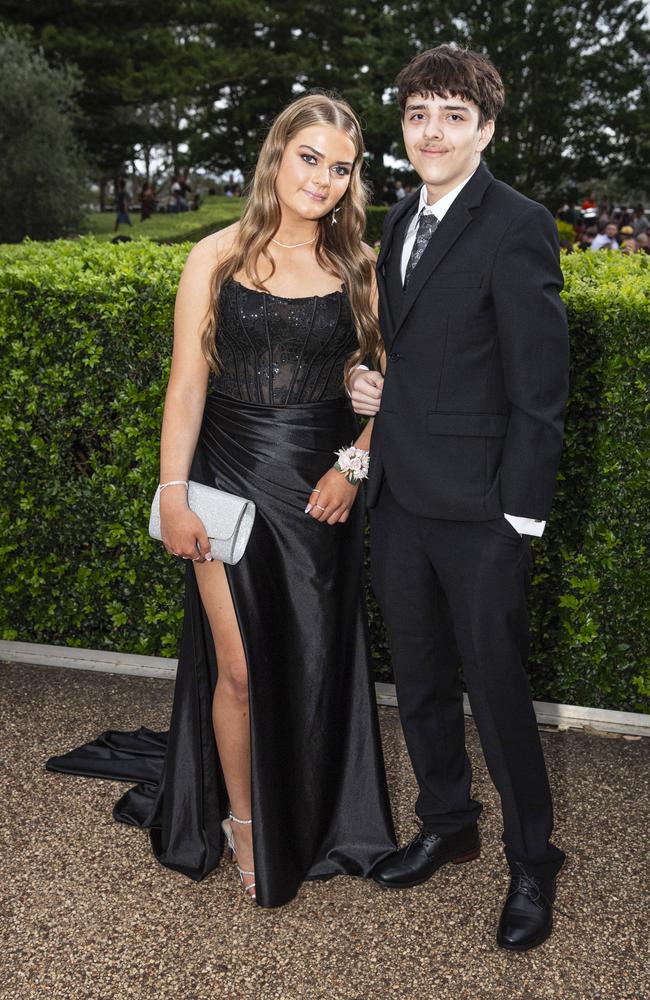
[[208, 557], [307, 508]]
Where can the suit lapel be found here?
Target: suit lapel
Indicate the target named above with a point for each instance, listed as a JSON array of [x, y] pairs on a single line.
[[450, 229], [391, 248], [405, 207], [393, 271]]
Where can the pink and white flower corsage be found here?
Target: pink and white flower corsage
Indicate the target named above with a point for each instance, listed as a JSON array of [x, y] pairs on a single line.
[[353, 463]]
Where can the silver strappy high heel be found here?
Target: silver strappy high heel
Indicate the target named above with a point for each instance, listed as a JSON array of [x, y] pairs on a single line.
[[226, 826]]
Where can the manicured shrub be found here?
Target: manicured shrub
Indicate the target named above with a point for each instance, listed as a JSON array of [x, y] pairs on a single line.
[[591, 593], [85, 338], [85, 334]]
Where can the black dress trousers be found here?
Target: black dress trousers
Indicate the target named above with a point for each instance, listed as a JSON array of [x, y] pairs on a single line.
[[455, 592]]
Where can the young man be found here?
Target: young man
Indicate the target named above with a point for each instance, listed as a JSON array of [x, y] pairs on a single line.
[[464, 456]]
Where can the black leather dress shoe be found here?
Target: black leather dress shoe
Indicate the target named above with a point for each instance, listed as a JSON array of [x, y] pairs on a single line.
[[527, 917], [424, 855]]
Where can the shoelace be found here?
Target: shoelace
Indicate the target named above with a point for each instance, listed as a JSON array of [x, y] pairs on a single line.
[[426, 835], [529, 886], [422, 836]]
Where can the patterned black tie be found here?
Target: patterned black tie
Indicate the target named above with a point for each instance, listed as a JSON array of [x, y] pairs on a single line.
[[426, 228]]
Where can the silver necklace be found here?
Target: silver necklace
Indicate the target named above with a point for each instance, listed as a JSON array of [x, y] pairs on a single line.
[[292, 246]]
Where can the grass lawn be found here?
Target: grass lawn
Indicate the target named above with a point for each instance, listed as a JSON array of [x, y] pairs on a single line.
[[215, 213]]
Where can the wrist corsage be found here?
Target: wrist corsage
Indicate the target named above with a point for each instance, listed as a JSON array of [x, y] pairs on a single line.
[[353, 463]]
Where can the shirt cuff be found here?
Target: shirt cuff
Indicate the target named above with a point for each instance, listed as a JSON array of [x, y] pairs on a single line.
[[526, 525], [355, 369]]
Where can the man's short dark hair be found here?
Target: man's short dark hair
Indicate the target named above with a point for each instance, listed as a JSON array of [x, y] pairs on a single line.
[[450, 70]]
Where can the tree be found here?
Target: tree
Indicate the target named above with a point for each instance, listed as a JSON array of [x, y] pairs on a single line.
[[263, 55], [573, 74], [138, 65], [42, 168], [200, 80]]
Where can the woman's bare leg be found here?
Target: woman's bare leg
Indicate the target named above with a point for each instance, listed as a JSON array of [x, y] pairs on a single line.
[[230, 711]]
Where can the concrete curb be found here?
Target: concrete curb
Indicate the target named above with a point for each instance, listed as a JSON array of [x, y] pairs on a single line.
[[565, 716]]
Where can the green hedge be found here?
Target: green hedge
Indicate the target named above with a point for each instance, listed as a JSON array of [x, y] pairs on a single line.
[[85, 337]]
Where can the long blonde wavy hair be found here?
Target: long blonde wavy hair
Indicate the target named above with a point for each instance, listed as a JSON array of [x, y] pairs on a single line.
[[338, 247]]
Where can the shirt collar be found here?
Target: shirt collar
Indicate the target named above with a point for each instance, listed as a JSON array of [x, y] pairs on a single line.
[[442, 206]]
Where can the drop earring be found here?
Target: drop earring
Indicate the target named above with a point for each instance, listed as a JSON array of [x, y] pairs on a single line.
[[334, 220]]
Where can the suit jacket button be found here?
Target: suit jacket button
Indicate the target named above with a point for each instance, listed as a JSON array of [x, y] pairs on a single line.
[[393, 356]]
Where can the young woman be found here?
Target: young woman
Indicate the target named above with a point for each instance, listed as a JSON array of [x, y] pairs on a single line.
[[274, 735]]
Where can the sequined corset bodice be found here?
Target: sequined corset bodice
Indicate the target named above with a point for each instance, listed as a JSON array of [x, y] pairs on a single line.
[[277, 351]]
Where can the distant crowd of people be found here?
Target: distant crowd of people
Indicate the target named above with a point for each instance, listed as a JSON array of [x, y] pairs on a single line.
[[602, 225], [148, 201]]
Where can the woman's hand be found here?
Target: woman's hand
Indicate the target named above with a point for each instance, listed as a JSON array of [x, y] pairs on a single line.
[[183, 533], [331, 498]]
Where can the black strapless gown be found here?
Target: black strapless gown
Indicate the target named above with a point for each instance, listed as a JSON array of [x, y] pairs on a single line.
[[271, 424]]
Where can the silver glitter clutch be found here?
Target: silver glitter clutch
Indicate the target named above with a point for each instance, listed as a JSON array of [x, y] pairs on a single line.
[[228, 520]]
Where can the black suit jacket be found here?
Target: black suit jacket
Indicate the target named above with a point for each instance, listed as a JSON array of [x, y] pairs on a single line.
[[471, 417]]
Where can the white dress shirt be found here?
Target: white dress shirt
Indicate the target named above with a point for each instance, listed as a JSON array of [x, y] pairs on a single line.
[[523, 525]]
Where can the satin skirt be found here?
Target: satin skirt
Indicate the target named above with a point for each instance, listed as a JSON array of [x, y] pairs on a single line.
[[320, 802]]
